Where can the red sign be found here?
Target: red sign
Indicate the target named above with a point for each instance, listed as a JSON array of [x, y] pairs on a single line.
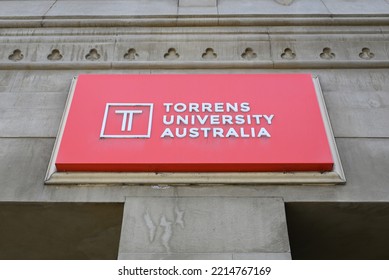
[[194, 123]]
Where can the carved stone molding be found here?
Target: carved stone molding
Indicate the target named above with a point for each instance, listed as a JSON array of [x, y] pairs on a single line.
[[214, 47]]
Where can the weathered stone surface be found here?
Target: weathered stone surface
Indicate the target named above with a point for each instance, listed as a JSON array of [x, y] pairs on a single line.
[[27, 122], [365, 162], [316, 50], [225, 225], [243, 256], [43, 81], [22, 168], [262, 256], [182, 256], [357, 102], [6, 80], [361, 80], [24, 8], [359, 114], [40, 9], [357, 6], [197, 10], [271, 7], [197, 3], [31, 114], [103, 8], [28, 100]]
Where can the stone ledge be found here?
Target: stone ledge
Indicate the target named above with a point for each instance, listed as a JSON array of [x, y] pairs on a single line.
[[162, 180], [194, 20], [194, 65]]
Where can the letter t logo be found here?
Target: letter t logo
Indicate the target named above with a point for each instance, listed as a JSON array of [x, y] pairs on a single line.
[[127, 120], [128, 116]]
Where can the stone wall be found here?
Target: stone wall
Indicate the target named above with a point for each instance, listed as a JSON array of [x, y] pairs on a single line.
[[43, 44]]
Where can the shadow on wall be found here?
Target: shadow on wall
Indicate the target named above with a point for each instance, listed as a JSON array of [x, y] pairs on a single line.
[[60, 231], [338, 231]]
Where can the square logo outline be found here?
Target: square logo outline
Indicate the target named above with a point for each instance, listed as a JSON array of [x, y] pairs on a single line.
[[151, 105]]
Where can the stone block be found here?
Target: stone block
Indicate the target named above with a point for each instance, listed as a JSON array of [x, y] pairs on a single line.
[[25, 8], [183, 256], [353, 80], [197, 3], [32, 109], [33, 100], [203, 225], [365, 162], [358, 113], [357, 102], [114, 8], [357, 6], [262, 256], [31, 114], [197, 10], [22, 169], [6, 80], [43, 81], [270, 7], [29, 122]]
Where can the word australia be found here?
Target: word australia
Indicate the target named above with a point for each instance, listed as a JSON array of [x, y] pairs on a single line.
[[217, 120]]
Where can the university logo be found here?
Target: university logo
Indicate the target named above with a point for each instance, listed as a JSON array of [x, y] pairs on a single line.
[[127, 120]]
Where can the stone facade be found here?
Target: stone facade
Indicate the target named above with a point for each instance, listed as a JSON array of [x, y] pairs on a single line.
[[43, 44]]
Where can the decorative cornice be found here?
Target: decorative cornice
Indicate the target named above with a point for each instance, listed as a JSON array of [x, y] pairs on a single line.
[[193, 65], [215, 46]]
